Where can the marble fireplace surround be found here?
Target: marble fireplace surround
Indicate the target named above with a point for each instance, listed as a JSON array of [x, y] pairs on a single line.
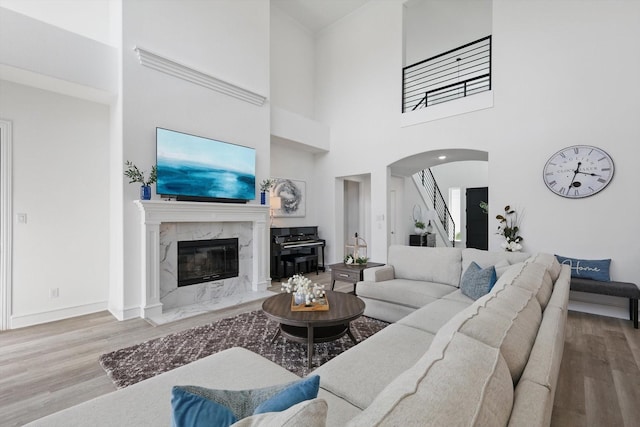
[[156, 212]]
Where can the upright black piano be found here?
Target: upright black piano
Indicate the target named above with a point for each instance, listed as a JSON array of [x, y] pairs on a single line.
[[287, 241]]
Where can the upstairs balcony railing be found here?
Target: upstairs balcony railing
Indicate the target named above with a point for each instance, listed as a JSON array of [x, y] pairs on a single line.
[[460, 72]]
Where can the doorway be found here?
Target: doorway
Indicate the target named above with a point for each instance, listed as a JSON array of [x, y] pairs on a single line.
[[351, 209], [477, 218]]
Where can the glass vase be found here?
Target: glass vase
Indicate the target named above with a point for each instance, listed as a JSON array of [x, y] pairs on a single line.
[[145, 192]]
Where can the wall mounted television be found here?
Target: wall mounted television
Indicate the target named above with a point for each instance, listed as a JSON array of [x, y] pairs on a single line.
[[194, 168]]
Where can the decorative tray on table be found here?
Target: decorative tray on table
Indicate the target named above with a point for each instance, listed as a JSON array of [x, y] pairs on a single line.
[[321, 304]]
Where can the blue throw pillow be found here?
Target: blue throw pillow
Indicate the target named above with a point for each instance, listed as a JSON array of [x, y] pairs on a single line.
[[477, 281], [297, 392], [197, 406], [594, 269]]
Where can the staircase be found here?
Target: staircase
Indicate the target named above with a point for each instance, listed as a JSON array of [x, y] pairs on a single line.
[[444, 225]]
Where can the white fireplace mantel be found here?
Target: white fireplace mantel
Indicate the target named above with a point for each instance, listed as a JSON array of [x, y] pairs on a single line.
[[155, 212]]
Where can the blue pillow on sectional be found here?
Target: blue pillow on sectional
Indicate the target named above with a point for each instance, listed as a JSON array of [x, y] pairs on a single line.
[[594, 269], [191, 407], [197, 406], [297, 392], [477, 281]]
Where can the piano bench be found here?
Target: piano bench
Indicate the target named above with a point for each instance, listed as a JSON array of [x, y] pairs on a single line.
[[296, 260]]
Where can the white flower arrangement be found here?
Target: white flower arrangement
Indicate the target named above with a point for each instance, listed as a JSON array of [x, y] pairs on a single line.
[[509, 228], [511, 246], [303, 289]]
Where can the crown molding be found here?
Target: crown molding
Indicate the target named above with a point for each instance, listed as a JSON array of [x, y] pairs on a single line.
[[181, 71]]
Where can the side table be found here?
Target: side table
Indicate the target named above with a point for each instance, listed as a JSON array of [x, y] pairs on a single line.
[[350, 273], [428, 239]]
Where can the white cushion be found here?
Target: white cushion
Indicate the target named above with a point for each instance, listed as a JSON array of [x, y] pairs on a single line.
[[147, 403], [411, 293], [488, 258], [439, 265], [535, 278], [359, 376], [432, 317], [550, 262], [510, 322], [463, 382], [310, 413]]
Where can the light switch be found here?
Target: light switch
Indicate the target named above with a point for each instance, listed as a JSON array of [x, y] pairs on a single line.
[[22, 218]]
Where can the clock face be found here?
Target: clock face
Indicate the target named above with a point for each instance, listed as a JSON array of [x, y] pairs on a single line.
[[578, 171]]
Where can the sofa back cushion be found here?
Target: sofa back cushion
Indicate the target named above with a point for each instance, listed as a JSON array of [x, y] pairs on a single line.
[[440, 265], [488, 258], [540, 377], [507, 318], [535, 278], [549, 261], [509, 321], [461, 382], [561, 287]]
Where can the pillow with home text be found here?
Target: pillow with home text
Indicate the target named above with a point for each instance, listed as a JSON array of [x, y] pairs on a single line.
[[594, 269]]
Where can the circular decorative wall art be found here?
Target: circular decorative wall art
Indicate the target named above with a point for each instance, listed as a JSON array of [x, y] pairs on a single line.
[[578, 171]]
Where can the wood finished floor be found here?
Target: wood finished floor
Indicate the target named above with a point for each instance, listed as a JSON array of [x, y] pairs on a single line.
[[53, 366]]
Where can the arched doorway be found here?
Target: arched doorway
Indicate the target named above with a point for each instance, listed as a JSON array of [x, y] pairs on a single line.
[[455, 171]]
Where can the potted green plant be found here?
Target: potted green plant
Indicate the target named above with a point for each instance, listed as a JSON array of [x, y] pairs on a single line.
[[265, 186], [419, 227], [135, 175]]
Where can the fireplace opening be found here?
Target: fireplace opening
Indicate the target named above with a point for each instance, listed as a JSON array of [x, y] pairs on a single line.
[[207, 260]]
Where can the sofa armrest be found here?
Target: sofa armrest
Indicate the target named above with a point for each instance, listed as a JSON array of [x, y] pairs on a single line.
[[378, 274]]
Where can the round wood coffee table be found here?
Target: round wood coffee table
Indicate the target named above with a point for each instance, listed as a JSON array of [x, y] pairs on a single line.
[[314, 326]]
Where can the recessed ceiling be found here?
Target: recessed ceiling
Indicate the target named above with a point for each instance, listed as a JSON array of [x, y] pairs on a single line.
[[318, 14]]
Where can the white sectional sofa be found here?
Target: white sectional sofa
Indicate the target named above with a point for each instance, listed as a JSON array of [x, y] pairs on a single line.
[[414, 278], [447, 360]]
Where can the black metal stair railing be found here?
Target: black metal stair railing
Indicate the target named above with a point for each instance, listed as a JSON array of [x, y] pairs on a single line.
[[457, 73], [439, 205]]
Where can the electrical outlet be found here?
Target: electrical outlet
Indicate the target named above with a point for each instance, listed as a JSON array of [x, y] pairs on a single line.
[[22, 218], [54, 292]]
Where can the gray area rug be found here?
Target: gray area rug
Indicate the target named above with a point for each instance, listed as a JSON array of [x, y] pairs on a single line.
[[252, 331]]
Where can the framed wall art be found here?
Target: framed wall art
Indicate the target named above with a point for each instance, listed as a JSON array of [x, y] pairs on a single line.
[[293, 195]]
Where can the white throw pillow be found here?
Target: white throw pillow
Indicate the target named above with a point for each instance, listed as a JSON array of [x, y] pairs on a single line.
[[310, 413]]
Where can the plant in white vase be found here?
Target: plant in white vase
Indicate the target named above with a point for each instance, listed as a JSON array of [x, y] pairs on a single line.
[[509, 227]]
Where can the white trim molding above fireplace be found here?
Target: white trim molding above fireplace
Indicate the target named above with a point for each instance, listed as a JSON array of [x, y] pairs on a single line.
[[155, 212]]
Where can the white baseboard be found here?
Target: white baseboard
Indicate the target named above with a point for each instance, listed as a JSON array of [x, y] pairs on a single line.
[[124, 314], [21, 321]]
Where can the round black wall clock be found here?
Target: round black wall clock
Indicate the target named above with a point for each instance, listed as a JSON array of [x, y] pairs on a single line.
[[578, 171]]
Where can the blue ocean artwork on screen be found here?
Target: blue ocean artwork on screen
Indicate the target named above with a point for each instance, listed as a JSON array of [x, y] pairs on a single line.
[[194, 166]]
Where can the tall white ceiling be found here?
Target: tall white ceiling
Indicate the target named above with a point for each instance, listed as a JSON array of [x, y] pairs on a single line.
[[318, 14]]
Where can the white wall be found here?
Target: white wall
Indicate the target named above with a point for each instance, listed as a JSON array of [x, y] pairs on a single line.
[[292, 163], [546, 95], [358, 95], [38, 53], [60, 181], [89, 18], [292, 65], [227, 39]]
